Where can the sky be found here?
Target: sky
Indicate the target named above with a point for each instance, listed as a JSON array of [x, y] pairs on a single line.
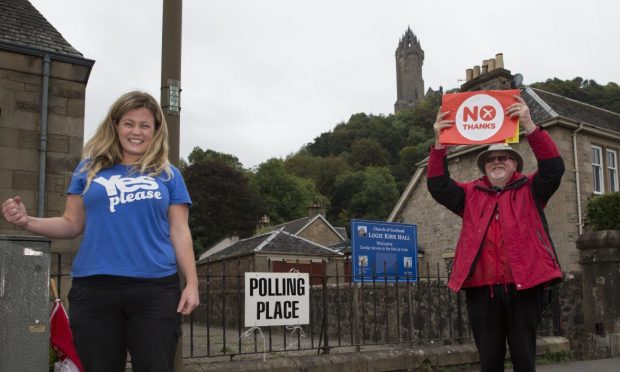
[[262, 78]]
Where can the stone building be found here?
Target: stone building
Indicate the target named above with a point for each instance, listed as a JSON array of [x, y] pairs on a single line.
[[315, 228], [42, 91], [274, 251], [588, 138], [409, 82]]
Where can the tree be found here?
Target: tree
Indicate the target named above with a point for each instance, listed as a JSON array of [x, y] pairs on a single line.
[[284, 196], [377, 196], [366, 152], [199, 154], [322, 170], [367, 194], [223, 203]]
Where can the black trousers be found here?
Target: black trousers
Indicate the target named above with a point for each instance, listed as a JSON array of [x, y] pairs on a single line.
[[111, 316], [501, 314]]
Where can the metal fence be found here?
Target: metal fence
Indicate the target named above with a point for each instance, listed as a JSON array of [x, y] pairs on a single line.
[[344, 314]]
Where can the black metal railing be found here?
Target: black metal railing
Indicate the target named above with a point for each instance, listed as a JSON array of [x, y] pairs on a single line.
[[384, 310]]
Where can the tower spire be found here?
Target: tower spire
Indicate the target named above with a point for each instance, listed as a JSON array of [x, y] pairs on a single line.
[[409, 83]]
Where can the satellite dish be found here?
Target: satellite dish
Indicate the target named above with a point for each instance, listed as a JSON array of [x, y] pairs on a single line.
[[517, 81]]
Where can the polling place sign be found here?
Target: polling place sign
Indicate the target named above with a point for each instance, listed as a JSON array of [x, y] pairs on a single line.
[[274, 299], [479, 117], [385, 250]]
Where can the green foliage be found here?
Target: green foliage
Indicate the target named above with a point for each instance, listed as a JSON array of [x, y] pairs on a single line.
[[604, 212], [321, 170], [367, 152], [223, 203], [199, 154], [284, 196], [369, 194], [588, 91]]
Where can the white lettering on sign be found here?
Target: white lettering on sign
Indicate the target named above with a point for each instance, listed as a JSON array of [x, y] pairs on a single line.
[[479, 117], [273, 299]]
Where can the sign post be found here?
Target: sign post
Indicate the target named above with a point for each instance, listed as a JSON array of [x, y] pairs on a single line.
[[384, 249]]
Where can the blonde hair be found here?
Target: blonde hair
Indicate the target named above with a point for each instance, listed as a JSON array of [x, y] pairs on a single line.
[[104, 150]]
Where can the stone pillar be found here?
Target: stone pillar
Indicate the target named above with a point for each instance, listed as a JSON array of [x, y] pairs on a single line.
[[599, 254]]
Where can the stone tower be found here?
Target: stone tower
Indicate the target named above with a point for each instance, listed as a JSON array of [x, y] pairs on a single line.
[[409, 82]]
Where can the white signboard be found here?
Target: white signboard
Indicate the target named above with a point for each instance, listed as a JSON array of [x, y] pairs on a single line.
[[273, 299]]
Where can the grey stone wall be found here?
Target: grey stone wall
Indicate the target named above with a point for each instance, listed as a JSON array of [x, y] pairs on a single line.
[[20, 121]]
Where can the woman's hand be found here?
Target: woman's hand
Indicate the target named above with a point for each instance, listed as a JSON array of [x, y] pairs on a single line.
[[189, 300], [14, 212]]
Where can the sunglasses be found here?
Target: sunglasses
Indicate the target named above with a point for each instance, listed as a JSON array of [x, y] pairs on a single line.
[[500, 158]]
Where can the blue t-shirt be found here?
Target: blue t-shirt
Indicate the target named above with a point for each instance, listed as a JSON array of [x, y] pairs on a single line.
[[126, 231]]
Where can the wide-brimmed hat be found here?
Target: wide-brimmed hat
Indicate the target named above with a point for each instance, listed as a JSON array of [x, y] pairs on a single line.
[[499, 147]]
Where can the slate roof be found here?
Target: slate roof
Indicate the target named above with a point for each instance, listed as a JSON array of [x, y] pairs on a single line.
[[292, 227], [278, 241], [297, 226], [571, 109], [22, 25]]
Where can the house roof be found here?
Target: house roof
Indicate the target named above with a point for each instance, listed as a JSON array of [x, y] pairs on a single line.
[[22, 25], [575, 110], [279, 242], [295, 227]]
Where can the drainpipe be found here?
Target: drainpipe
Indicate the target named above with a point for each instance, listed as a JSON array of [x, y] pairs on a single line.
[[579, 219], [43, 135]]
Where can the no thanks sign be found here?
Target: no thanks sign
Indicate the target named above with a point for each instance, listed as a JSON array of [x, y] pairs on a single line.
[[479, 117]]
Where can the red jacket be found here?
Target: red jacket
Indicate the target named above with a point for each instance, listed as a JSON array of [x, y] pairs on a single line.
[[531, 254]]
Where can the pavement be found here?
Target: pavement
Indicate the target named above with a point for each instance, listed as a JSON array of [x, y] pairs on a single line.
[[597, 365]]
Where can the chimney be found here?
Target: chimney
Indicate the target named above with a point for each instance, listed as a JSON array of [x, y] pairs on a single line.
[[499, 60], [316, 209], [476, 71], [491, 65], [469, 74], [491, 75], [263, 223]]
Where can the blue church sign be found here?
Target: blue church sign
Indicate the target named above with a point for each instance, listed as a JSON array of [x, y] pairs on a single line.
[[384, 250]]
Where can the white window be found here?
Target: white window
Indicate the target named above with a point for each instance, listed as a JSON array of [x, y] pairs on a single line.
[[612, 170], [597, 169]]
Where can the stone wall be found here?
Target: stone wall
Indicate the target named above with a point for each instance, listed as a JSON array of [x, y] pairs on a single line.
[[320, 233], [20, 122]]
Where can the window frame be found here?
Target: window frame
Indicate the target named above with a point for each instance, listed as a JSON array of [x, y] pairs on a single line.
[[612, 172], [600, 176]]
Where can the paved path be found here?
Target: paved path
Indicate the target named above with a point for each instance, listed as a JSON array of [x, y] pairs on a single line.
[[599, 365]]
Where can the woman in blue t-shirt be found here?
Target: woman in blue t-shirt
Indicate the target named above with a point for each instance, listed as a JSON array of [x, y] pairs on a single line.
[[133, 207]]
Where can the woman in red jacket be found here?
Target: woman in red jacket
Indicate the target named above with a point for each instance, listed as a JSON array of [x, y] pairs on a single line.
[[504, 256]]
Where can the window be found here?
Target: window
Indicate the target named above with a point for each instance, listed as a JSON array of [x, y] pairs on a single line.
[[604, 169], [612, 170], [597, 169]]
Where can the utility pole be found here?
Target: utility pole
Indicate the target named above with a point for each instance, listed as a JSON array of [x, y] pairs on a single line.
[[172, 22], [171, 73]]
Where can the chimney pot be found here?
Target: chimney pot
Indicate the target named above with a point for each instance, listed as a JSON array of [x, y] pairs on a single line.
[[491, 64], [476, 71], [499, 60], [469, 74]]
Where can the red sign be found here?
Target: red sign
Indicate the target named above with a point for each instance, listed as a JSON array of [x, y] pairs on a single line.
[[478, 117]]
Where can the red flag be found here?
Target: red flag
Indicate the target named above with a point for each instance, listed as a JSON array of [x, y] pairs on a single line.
[[478, 117], [61, 337]]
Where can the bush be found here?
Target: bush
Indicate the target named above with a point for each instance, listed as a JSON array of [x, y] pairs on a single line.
[[604, 212]]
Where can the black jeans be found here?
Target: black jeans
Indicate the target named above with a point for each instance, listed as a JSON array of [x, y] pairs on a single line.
[[501, 314], [110, 316]]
